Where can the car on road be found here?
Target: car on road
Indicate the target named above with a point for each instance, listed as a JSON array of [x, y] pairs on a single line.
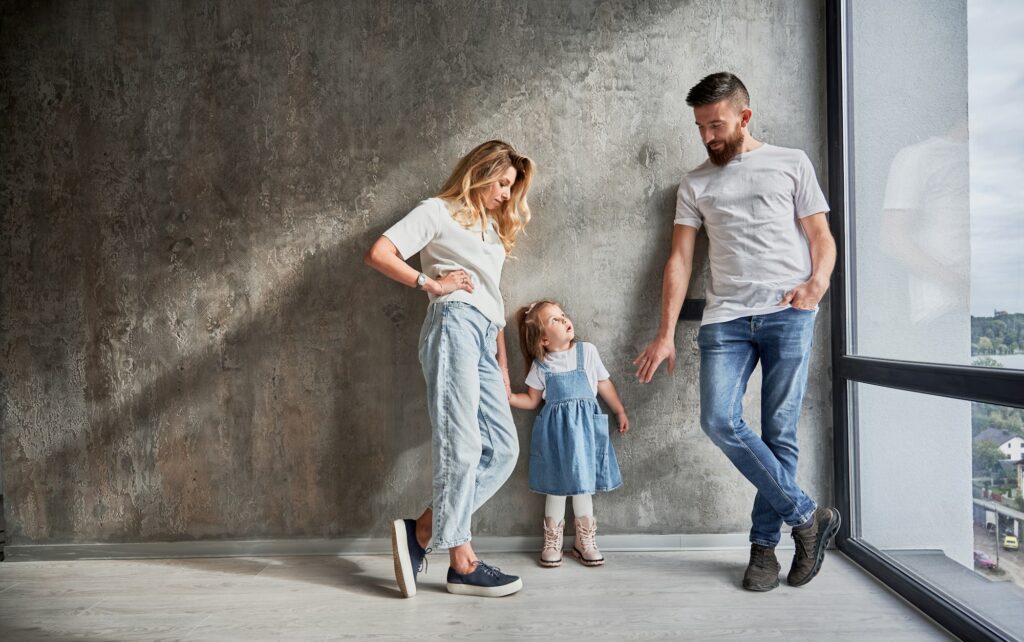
[[1011, 543], [983, 561]]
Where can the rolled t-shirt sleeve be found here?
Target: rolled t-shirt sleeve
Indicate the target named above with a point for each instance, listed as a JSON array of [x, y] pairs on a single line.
[[808, 198], [686, 206], [534, 378], [416, 229]]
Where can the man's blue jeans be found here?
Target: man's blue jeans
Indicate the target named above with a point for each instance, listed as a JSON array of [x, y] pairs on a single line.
[[728, 353], [474, 443]]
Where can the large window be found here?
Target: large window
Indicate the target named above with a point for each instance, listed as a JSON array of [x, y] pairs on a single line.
[[927, 185]]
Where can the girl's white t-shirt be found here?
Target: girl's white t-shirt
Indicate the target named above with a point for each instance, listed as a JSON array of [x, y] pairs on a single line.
[[444, 246], [566, 361]]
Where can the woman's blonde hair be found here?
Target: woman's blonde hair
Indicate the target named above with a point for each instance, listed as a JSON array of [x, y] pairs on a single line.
[[482, 166], [531, 331]]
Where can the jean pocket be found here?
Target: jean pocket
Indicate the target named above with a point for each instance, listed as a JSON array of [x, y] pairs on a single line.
[[802, 311]]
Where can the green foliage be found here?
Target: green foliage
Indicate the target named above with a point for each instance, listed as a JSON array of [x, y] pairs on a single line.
[[985, 460], [986, 362], [1002, 417], [997, 335]]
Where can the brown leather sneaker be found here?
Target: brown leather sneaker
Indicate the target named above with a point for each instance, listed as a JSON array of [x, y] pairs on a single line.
[[763, 570], [810, 545]]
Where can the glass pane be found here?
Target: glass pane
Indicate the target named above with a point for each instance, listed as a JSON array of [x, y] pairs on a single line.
[[936, 224], [940, 484]]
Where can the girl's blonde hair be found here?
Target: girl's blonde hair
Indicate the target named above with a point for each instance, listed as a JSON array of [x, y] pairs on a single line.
[[531, 331], [482, 166]]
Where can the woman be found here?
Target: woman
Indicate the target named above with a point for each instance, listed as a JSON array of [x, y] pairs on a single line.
[[463, 237]]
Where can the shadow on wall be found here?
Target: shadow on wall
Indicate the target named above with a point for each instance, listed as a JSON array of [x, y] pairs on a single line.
[[188, 217]]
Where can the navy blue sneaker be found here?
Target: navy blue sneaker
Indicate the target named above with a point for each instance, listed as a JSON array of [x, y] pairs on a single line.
[[484, 581], [410, 557]]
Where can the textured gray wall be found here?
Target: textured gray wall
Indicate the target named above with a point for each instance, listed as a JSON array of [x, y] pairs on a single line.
[[192, 347]]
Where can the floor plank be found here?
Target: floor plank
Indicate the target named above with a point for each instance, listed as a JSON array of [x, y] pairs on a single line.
[[636, 596]]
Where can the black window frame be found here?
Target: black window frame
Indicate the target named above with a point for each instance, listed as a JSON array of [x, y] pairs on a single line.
[[969, 383]]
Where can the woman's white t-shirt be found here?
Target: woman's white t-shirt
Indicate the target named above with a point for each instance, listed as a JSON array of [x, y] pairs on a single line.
[[444, 246], [564, 362]]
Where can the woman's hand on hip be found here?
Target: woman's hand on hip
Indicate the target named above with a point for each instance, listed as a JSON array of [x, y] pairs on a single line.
[[452, 281]]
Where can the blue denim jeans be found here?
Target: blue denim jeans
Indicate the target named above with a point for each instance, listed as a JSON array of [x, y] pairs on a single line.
[[728, 353], [474, 443]]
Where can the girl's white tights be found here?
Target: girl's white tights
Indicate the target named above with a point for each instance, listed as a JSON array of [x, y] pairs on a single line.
[[582, 506]]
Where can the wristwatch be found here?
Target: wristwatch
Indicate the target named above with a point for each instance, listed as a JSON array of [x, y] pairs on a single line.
[[421, 280]]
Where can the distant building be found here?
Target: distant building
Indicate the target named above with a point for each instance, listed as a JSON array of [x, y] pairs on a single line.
[[1011, 445], [1000, 313]]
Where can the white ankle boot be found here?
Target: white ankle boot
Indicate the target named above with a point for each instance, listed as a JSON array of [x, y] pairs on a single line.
[[551, 554], [585, 547]]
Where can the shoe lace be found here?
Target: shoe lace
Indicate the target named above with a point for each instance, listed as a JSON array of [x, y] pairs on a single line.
[[493, 571], [800, 543], [552, 538], [423, 562], [588, 536]]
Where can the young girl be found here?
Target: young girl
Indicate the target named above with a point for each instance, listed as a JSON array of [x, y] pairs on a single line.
[[570, 452]]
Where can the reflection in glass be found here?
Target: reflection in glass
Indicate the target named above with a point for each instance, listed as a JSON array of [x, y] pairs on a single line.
[[936, 224], [941, 482], [925, 229]]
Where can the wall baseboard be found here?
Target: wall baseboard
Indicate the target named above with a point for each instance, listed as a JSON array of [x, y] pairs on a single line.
[[351, 546]]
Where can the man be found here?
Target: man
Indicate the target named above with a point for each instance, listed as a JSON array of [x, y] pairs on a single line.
[[771, 256]]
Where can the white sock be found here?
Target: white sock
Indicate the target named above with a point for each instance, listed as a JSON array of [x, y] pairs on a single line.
[[554, 507], [583, 505]]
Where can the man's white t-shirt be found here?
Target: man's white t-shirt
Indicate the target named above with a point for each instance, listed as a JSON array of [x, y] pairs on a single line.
[[444, 246], [564, 362], [752, 208]]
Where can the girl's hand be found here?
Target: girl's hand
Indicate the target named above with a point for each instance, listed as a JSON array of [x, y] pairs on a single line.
[[623, 421], [454, 280]]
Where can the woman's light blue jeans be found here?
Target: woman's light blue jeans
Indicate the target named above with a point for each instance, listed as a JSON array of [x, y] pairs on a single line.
[[475, 445], [728, 353]]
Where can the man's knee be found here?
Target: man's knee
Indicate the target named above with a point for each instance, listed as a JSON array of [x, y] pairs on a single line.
[[719, 428]]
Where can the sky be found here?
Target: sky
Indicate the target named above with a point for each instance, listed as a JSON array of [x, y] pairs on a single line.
[[996, 120]]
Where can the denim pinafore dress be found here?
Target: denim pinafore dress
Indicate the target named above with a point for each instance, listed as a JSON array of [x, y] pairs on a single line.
[[570, 452]]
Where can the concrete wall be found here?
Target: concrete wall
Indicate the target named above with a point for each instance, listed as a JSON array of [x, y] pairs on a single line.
[[911, 256], [192, 346]]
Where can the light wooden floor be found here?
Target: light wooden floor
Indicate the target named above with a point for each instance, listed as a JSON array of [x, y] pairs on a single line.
[[636, 596]]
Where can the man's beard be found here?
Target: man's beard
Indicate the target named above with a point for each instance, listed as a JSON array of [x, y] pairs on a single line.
[[729, 150]]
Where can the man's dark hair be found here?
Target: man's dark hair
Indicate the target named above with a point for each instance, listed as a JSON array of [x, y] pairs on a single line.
[[716, 87]]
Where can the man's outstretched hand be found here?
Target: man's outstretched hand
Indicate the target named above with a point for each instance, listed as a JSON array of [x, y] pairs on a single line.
[[652, 356]]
